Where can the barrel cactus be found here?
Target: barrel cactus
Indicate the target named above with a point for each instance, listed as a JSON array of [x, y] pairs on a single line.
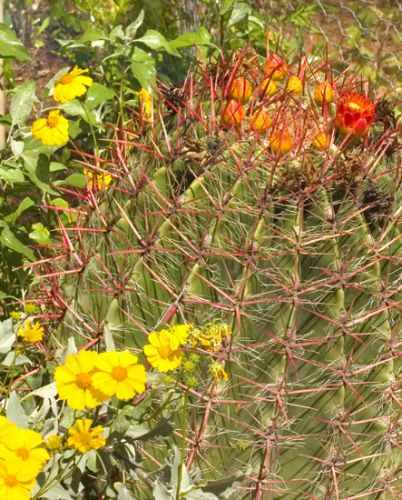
[[258, 205]]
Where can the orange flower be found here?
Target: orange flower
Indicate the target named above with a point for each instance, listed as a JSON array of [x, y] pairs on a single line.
[[240, 90], [355, 114], [275, 68], [233, 113]]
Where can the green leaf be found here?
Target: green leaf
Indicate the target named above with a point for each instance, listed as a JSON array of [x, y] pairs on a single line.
[[98, 94], [17, 147], [240, 11], [132, 28], [57, 493], [92, 34], [189, 39], [24, 205], [21, 102], [76, 180], [11, 175], [225, 6], [76, 108], [7, 336], [40, 233], [15, 412], [11, 46], [156, 40], [36, 164], [8, 239], [143, 68]]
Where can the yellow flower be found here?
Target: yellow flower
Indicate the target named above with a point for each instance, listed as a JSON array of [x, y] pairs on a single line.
[[30, 308], [146, 105], [323, 91], [74, 381], [212, 335], [7, 430], [31, 333], [218, 372], [117, 373], [71, 85], [54, 443], [51, 131], [321, 141], [17, 478], [295, 85], [15, 315], [83, 438], [181, 332], [25, 444], [281, 142], [99, 181], [163, 351]]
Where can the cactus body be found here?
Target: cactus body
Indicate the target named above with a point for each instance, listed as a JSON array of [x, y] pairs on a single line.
[[278, 246]]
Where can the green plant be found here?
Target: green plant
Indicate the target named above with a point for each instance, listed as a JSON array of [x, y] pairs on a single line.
[[296, 248]]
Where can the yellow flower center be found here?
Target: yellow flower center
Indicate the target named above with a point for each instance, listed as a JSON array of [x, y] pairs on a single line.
[[83, 380], [165, 351], [85, 438], [53, 121], [10, 480], [119, 373], [23, 453], [353, 105]]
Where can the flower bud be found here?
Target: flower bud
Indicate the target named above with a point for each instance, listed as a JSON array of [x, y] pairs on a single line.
[[260, 121], [295, 85], [233, 113], [268, 86], [240, 90], [281, 142], [324, 91], [275, 68]]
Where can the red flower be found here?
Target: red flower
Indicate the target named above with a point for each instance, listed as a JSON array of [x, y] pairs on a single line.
[[355, 114]]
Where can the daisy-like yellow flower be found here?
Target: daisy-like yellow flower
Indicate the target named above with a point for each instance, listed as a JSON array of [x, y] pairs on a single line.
[[163, 351], [146, 105], [51, 131], [30, 308], [26, 445], [17, 478], [182, 332], [7, 430], [31, 332], [218, 372], [54, 443], [73, 84], [117, 373], [83, 438], [98, 181], [74, 381]]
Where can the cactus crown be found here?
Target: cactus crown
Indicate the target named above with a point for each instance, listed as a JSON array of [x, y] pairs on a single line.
[[265, 216]]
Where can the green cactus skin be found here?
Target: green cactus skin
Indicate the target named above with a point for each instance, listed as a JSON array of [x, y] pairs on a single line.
[[283, 251]]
